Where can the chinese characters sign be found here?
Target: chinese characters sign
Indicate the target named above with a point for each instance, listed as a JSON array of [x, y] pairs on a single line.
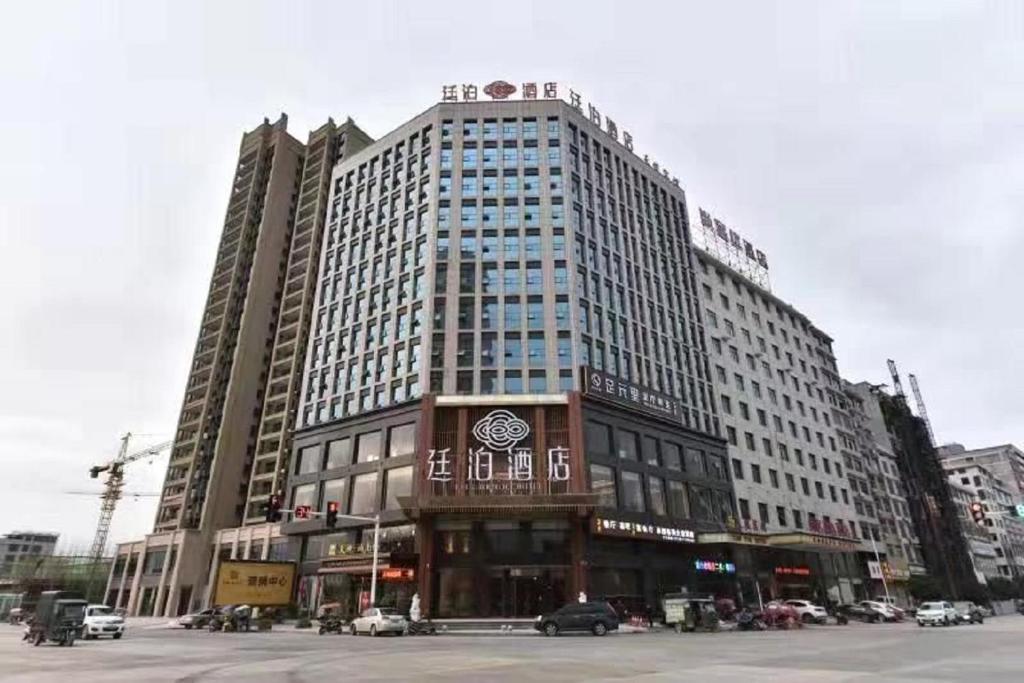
[[500, 455], [714, 567], [502, 90], [792, 571], [254, 583], [600, 385], [829, 528], [652, 532]]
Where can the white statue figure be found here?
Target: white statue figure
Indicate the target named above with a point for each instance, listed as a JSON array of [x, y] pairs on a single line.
[[414, 610], [582, 597]]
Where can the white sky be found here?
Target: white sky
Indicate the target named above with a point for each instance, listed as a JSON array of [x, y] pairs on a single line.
[[873, 150]]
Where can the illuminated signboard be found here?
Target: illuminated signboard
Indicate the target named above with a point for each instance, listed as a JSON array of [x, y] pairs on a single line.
[[653, 532], [792, 571], [600, 385], [715, 567], [397, 574]]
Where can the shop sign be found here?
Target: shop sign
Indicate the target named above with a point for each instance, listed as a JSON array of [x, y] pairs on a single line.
[[601, 385], [792, 571], [875, 570], [829, 528], [715, 567], [500, 431], [892, 573], [397, 574], [653, 532]]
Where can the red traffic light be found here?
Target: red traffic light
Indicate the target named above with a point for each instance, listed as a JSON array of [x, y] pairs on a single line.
[[332, 514]]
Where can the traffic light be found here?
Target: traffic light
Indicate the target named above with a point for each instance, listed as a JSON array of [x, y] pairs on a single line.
[[273, 508], [978, 512], [331, 519], [302, 512]]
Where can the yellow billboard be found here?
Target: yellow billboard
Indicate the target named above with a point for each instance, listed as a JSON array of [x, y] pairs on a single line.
[[254, 583]]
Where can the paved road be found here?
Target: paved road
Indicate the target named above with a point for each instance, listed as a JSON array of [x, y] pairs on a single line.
[[858, 652]]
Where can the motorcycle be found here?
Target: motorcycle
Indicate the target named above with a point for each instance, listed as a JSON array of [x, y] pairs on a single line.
[[330, 624], [748, 621]]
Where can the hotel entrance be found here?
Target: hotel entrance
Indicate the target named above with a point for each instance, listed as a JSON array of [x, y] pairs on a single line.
[[526, 591]]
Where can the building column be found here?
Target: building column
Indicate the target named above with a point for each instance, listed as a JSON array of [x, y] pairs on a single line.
[[212, 575], [162, 588], [124, 577], [425, 531], [577, 579], [174, 590], [133, 599]]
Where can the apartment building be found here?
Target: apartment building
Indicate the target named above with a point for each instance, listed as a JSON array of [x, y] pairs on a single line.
[[1004, 527], [22, 545], [981, 548], [240, 397]]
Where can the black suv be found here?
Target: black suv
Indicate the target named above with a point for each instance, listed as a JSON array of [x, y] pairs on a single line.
[[596, 617]]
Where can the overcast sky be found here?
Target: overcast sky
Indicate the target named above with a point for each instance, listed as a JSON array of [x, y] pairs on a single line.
[[874, 151]]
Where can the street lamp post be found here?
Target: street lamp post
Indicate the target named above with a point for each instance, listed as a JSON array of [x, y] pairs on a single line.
[[878, 560], [376, 551]]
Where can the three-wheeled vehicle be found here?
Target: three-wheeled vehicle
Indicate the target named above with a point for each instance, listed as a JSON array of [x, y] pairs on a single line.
[[687, 613], [58, 618]]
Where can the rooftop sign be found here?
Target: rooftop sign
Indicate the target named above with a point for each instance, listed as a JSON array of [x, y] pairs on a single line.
[[503, 90]]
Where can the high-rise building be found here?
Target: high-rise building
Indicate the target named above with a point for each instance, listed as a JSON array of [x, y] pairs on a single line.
[[937, 522], [1003, 526], [981, 550], [474, 259], [879, 494], [241, 394], [781, 405]]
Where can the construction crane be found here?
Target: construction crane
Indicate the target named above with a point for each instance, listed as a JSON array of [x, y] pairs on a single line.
[[113, 487], [897, 386], [921, 411]]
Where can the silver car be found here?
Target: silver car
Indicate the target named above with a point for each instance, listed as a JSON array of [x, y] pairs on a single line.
[[377, 620]]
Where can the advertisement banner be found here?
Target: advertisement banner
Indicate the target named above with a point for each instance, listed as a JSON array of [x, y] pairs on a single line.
[[253, 583]]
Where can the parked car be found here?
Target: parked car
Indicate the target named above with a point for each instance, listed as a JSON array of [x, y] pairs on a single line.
[[969, 613], [891, 602], [596, 617], [881, 610], [200, 619], [937, 613], [377, 620], [808, 611], [100, 620], [858, 612]]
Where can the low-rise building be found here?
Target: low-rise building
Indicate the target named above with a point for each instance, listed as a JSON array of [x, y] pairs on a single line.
[[21, 545]]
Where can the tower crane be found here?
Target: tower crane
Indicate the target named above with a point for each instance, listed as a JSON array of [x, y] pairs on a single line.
[[921, 411], [113, 487]]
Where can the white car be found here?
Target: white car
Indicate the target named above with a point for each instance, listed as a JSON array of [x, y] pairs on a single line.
[[101, 620], [808, 611], [377, 620], [936, 613]]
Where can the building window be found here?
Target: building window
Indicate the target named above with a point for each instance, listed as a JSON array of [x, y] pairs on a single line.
[[632, 492], [304, 495], [334, 490], [678, 502], [339, 453], [670, 456], [309, 460], [755, 473], [602, 482], [402, 440], [628, 448], [657, 491], [737, 468], [368, 447], [364, 493], [397, 483]]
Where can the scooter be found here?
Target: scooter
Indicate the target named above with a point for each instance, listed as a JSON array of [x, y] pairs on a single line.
[[330, 624], [748, 621]]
